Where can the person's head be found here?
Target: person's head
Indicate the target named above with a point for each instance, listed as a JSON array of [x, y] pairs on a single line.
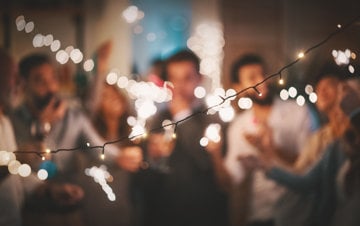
[[182, 70], [247, 71], [114, 107], [113, 102], [326, 87], [7, 77], [41, 83]]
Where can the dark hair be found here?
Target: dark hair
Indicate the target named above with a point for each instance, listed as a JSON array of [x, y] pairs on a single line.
[[181, 56], [330, 70], [244, 60], [31, 61]]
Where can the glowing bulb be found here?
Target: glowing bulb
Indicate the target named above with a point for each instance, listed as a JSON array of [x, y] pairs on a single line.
[[309, 89], [258, 92], [55, 45], [48, 39], [231, 93], [339, 26], [204, 141], [292, 92], [102, 156], [313, 98], [227, 114], [47, 150], [38, 40], [42, 174], [351, 69], [199, 92], [111, 78], [212, 132], [89, 65], [145, 135], [301, 55], [29, 27], [284, 94], [245, 103], [24, 170], [174, 135], [122, 82], [43, 158], [13, 167], [281, 81], [300, 100]]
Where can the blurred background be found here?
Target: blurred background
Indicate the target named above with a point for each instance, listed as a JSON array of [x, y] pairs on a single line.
[[141, 32]]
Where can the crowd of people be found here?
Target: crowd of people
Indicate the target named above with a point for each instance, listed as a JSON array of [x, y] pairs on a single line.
[[272, 166]]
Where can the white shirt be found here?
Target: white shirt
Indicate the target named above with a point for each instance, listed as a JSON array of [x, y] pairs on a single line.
[[290, 125]]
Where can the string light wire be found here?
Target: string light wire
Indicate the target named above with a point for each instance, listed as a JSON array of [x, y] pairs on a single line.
[[200, 112]]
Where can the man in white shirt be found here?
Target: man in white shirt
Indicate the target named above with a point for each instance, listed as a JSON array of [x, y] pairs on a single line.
[[271, 126]]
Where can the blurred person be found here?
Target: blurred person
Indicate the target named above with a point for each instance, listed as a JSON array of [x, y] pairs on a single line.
[[335, 178], [44, 122], [110, 120], [14, 189], [179, 185], [271, 126]]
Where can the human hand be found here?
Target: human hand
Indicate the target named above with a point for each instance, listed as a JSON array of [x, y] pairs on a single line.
[[252, 162], [53, 111], [130, 158], [66, 194], [263, 140]]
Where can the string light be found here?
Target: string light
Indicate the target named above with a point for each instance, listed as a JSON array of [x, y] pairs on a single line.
[[281, 80], [301, 55], [258, 92], [208, 109]]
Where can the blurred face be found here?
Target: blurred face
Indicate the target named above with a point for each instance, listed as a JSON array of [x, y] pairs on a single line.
[[250, 75], [42, 85], [185, 79], [327, 93], [112, 104]]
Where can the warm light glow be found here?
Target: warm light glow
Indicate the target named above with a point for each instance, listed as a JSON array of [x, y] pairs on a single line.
[[227, 114], [309, 89], [292, 92], [101, 176], [55, 45], [200, 92], [212, 132], [122, 82], [300, 100], [111, 78], [76, 56], [313, 98], [62, 57], [6, 157], [48, 39], [339, 26], [245, 103], [47, 150], [284, 94], [29, 27], [281, 81], [38, 40], [102, 156], [351, 69], [301, 55], [42, 174], [24, 170], [13, 167], [89, 65], [204, 141]]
